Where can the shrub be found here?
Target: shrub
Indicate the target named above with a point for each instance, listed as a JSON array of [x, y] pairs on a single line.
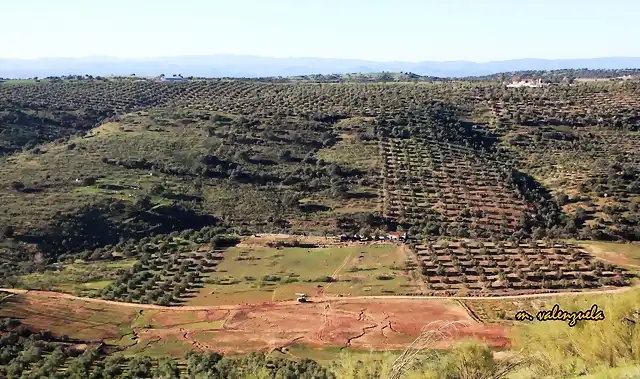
[[18, 186], [589, 345], [8, 231]]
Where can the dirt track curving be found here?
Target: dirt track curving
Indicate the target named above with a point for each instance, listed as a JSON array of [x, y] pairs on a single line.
[[323, 298]]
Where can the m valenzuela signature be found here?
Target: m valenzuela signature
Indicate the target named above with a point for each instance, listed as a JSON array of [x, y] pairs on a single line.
[[557, 314]]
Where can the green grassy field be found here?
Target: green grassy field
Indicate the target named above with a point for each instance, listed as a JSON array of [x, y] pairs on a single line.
[[624, 254], [256, 274], [81, 278], [375, 270], [360, 154], [144, 319]]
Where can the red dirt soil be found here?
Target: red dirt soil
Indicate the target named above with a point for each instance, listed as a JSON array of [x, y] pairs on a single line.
[[359, 324], [76, 318], [168, 318]]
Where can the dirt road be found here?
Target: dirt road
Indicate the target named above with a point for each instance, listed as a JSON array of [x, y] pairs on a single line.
[[501, 297], [321, 299], [116, 303], [337, 271]]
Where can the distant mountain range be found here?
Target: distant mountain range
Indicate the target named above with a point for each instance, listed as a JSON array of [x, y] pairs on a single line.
[[256, 66]]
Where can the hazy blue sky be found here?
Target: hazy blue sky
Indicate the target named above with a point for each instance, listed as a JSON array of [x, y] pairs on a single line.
[[384, 30]]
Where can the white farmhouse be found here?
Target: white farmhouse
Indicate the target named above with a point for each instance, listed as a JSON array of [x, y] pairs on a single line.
[[532, 83], [178, 78]]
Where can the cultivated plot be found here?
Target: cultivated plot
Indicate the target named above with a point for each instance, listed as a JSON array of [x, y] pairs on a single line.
[[513, 268], [254, 273], [450, 186]]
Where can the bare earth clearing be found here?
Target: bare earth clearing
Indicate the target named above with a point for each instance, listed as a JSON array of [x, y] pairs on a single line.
[[365, 322], [359, 323]]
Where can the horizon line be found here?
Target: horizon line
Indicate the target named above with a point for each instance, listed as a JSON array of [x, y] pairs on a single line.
[[303, 57]]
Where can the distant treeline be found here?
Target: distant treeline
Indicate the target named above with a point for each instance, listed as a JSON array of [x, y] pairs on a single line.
[[556, 76]]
